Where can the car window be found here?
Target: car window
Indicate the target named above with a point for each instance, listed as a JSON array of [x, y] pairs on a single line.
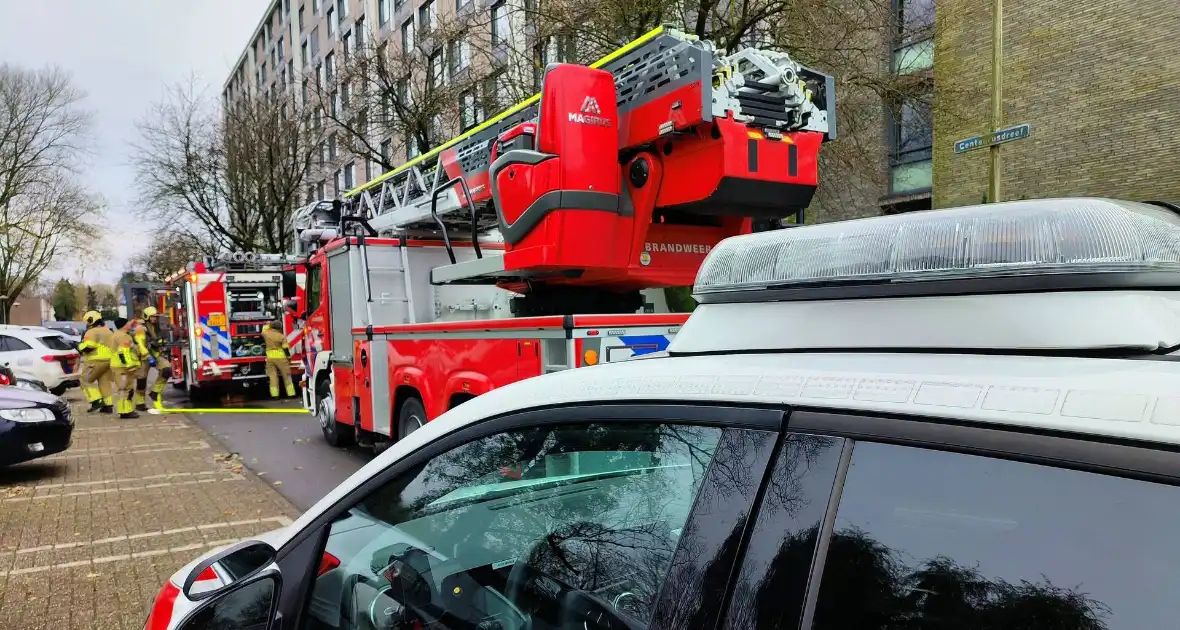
[[55, 342], [532, 528], [771, 586], [247, 608], [934, 539], [9, 343]]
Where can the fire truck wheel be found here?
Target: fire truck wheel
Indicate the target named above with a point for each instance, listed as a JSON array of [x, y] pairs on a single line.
[[411, 417], [332, 429]]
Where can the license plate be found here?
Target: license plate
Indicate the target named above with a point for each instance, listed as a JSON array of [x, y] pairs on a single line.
[[217, 320]]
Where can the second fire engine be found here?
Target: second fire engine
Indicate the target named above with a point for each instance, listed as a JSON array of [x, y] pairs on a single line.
[[216, 311]]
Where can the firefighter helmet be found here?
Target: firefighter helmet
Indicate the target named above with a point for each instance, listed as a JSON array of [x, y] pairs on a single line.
[[91, 317], [149, 312]]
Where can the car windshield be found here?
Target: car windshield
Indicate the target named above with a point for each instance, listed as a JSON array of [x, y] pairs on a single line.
[[55, 342]]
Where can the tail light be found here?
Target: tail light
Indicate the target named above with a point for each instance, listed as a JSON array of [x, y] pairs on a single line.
[[49, 358], [327, 563]]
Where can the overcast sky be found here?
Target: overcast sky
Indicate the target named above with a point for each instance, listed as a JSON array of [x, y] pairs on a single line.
[[123, 53]]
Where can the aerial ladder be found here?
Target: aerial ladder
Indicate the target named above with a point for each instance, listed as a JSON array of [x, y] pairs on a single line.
[[601, 184]]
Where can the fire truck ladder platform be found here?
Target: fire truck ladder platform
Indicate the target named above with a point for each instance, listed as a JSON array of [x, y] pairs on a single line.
[[443, 194]]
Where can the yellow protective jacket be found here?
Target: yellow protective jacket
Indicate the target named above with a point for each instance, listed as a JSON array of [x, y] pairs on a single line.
[[276, 343], [98, 344], [126, 353]]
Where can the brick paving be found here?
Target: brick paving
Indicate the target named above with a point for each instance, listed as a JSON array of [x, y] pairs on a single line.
[[88, 536]]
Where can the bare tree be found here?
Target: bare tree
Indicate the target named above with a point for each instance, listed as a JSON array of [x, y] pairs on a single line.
[[235, 174], [44, 210], [416, 96], [169, 252]]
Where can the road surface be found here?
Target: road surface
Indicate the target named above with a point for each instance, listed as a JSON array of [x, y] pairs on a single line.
[[288, 450]]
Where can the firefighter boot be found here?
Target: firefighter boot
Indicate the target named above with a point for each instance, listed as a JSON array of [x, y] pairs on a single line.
[[290, 389], [107, 409]]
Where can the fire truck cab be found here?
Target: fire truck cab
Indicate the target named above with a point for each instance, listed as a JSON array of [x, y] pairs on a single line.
[[217, 309]]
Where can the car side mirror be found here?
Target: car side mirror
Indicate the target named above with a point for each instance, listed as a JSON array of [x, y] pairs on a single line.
[[291, 305], [236, 564]]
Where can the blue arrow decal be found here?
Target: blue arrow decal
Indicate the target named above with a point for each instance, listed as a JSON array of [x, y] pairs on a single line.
[[646, 344]]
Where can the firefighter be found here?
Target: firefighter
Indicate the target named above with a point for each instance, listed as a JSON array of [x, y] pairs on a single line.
[[278, 358], [125, 365], [97, 347], [147, 344], [158, 360]]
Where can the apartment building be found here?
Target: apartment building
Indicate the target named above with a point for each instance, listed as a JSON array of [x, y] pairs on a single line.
[[302, 44], [1095, 81]]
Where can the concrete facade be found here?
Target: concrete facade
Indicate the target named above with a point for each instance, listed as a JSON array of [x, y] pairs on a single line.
[[1098, 82]]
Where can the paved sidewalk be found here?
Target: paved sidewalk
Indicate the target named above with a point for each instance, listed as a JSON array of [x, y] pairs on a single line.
[[88, 536]]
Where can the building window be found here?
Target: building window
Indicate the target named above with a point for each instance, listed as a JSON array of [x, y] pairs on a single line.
[[404, 95], [398, 4], [330, 67], [345, 93], [368, 170], [315, 41], [411, 147], [408, 36], [346, 44], [911, 135], [301, 18], [428, 16], [436, 68], [286, 7], [323, 153], [305, 91], [382, 12], [468, 114], [460, 54], [359, 29], [332, 153], [913, 48], [350, 176], [315, 8], [303, 54], [499, 23], [331, 22], [321, 191], [342, 9], [386, 150], [337, 180], [914, 57], [334, 105]]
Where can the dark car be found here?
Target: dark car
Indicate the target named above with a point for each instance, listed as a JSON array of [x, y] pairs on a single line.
[[32, 424]]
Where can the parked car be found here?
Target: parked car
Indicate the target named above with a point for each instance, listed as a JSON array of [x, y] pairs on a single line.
[[32, 424], [957, 419], [72, 330], [20, 378], [45, 354]]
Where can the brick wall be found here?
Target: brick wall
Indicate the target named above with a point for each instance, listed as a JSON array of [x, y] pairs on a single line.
[[1099, 83]]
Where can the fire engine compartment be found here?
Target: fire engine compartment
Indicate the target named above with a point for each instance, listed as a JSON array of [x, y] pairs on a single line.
[[250, 307]]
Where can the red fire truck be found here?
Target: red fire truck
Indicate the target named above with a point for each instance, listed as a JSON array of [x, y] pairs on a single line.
[[216, 311], [527, 244]]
